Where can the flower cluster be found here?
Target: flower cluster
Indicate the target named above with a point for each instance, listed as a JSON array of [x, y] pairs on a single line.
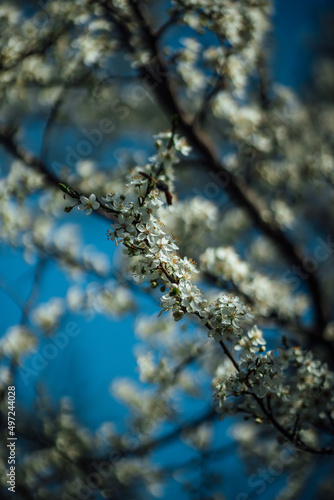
[[267, 295], [17, 342], [296, 390], [110, 299], [47, 316], [142, 233]]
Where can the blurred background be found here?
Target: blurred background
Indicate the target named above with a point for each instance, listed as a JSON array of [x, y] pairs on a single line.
[[101, 346]]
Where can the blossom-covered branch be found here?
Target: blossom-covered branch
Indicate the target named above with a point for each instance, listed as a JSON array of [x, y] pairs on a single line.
[[261, 378]]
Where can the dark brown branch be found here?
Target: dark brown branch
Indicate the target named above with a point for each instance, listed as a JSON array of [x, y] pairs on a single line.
[[16, 150], [34, 290], [241, 194], [39, 49]]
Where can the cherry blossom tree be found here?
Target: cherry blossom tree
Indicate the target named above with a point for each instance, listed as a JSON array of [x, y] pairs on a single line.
[[217, 209]]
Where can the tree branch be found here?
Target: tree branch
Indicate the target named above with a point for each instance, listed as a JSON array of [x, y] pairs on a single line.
[[241, 194]]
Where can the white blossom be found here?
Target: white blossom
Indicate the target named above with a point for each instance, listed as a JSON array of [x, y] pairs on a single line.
[[17, 341], [89, 204]]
